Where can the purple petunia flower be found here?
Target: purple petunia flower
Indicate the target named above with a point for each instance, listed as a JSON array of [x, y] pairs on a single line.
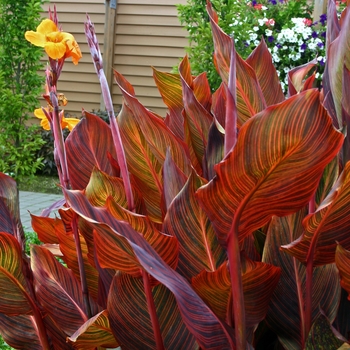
[[279, 46], [321, 62], [270, 39], [323, 19], [323, 34], [303, 46], [314, 35], [320, 45], [254, 2], [273, 2]]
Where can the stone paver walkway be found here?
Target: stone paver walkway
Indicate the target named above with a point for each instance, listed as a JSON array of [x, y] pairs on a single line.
[[35, 203]]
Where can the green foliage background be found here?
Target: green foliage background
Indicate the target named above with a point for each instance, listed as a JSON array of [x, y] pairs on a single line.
[[20, 87], [193, 16]]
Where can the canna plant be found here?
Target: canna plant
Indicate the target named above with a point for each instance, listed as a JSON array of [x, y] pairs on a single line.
[[223, 225]]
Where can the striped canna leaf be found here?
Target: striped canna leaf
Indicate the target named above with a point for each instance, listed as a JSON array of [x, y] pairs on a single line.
[[127, 303], [208, 330], [270, 171], [94, 333], [84, 143], [342, 260], [250, 98], [199, 248], [321, 235], [285, 315], [261, 62], [59, 292]]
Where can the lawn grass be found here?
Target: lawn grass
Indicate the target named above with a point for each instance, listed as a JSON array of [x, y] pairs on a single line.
[[41, 184]]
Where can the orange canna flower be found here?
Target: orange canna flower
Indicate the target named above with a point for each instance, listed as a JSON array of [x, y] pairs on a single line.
[[69, 123], [57, 44]]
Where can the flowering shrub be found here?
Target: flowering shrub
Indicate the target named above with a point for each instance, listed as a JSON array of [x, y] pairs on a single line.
[[292, 41], [293, 38]]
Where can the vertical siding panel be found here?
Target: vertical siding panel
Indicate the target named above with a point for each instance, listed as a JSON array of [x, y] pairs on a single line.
[[79, 83], [147, 33]]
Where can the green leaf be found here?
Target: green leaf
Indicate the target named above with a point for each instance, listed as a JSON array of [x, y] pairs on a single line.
[[321, 336]]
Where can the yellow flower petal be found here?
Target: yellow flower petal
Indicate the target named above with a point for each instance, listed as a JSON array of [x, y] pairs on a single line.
[[45, 124], [57, 44], [69, 123], [35, 38], [47, 26], [74, 51], [55, 50], [39, 113]]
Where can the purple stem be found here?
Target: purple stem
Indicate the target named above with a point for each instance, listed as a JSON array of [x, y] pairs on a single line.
[[98, 63], [231, 106], [309, 273], [59, 140], [233, 249], [64, 180], [238, 309], [44, 341], [308, 294], [152, 311], [82, 273]]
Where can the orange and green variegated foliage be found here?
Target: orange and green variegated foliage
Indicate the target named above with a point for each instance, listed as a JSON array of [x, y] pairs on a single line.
[[342, 260], [240, 208]]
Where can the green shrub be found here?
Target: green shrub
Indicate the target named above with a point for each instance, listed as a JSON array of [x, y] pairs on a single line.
[[20, 160], [46, 153], [3, 345], [20, 86], [292, 36]]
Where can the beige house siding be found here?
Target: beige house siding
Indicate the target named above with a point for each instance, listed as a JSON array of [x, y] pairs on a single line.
[[147, 33]]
